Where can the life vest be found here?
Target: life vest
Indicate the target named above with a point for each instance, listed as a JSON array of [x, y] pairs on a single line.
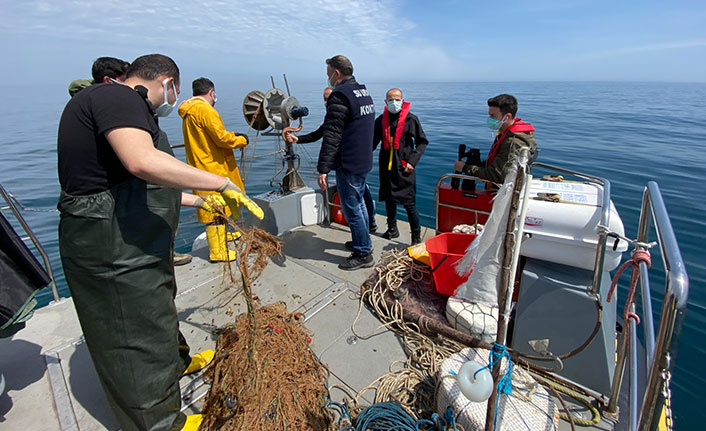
[[518, 127], [386, 135]]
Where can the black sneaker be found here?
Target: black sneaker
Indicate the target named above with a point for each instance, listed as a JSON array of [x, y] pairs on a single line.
[[355, 261], [373, 228], [391, 233], [349, 246]]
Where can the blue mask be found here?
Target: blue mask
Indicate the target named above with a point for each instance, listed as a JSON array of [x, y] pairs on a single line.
[[494, 124], [394, 106]]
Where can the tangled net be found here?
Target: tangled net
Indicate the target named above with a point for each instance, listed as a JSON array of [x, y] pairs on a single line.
[[264, 376]]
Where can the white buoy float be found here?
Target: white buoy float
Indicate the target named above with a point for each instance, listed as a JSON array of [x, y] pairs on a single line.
[[476, 388]]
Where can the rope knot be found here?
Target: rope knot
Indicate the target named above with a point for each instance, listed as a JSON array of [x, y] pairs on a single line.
[[639, 256], [636, 258]]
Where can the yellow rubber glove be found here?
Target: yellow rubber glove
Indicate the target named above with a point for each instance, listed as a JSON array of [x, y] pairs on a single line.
[[234, 197], [210, 203]]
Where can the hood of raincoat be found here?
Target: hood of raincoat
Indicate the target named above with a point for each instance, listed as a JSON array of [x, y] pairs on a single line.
[[192, 103]]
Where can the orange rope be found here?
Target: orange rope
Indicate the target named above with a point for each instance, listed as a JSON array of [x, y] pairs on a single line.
[[290, 129]]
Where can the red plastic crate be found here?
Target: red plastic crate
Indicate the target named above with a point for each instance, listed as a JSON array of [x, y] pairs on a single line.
[[444, 252]]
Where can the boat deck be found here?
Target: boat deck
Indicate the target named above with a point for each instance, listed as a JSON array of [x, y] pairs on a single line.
[[52, 384]]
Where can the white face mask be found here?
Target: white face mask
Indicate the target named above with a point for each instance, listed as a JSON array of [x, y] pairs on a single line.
[[331, 83], [394, 106], [165, 108], [215, 99]]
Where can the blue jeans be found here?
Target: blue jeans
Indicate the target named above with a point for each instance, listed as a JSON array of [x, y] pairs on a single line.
[[350, 190], [369, 206]]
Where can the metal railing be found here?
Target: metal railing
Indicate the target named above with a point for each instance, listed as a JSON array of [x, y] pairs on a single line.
[[660, 351], [47, 265], [438, 204]]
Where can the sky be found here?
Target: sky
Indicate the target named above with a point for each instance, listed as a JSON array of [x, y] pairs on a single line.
[[56, 41]]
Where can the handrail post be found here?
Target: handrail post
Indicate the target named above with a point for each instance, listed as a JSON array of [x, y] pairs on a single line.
[[600, 251], [648, 320], [618, 373], [633, 412], [673, 309]]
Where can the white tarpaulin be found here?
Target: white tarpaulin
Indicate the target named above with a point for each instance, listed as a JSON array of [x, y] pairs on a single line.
[[485, 254]]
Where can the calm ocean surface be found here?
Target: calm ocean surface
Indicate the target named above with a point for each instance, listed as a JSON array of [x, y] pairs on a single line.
[[629, 133]]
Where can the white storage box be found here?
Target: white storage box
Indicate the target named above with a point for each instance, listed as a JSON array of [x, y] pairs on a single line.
[[313, 210], [566, 231]]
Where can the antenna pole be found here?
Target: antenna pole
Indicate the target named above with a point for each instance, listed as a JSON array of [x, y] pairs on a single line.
[[286, 84]]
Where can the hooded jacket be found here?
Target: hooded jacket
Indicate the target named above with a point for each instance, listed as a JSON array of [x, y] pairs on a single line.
[[79, 84], [209, 146]]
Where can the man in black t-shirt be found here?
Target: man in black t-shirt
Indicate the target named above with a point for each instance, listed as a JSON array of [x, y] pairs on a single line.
[[119, 204], [111, 70]]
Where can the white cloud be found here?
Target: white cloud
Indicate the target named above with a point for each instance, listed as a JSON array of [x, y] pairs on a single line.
[[370, 32], [240, 26]]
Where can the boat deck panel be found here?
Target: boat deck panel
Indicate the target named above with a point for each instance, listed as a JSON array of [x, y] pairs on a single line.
[[52, 384], [353, 360], [51, 351]]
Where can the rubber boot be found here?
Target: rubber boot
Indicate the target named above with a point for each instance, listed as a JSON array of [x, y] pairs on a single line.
[[416, 237], [232, 236], [193, 422], [216, 237], [391, 231], [199, 361]]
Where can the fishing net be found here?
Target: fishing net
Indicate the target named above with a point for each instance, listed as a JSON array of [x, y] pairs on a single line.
[[475, 318], [264, 376]]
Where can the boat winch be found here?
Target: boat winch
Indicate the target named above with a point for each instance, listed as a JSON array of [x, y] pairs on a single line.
[[292, 204], [278, 110]]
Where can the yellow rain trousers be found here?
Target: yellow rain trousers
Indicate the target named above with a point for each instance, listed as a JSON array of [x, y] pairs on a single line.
[[209, 146]]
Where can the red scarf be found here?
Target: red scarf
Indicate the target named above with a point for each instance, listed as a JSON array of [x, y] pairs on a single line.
[[400, 127], [518, 126]]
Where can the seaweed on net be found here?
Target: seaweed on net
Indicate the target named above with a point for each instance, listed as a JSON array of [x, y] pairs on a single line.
[[266, 379], [264, 375]]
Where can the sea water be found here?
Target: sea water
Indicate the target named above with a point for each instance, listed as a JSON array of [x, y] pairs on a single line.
[[629, 133]]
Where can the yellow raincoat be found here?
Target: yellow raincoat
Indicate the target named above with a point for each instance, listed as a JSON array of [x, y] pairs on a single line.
[[209, 146]]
